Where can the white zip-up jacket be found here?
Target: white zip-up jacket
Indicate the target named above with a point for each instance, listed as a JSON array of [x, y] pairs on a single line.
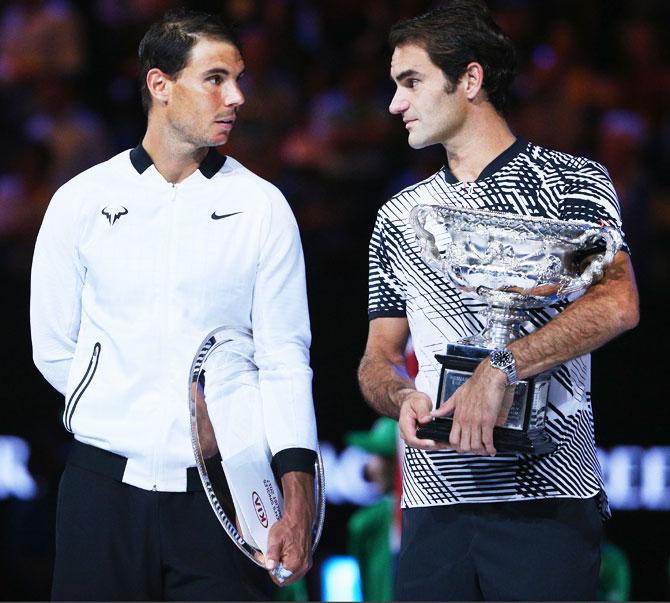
[[130, 273]]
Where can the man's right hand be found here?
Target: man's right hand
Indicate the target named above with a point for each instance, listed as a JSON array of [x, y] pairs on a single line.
[[415, 409]]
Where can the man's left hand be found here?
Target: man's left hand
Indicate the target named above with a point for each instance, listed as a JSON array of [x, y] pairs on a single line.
[[290, 539]]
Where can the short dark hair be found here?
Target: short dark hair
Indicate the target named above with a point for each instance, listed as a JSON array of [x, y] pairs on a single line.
[[459, 32], [168, 42]]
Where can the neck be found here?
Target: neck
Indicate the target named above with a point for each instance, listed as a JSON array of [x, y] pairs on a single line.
[[482, 138], [174, 160]]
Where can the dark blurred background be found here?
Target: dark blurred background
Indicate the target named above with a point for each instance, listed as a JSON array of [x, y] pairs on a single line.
[[594, 80]]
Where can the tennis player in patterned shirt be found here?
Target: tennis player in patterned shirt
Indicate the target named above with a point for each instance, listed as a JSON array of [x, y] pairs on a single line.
[[479, 524]]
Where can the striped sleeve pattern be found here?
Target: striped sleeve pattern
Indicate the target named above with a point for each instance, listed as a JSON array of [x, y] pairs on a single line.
[[386, 290], [589, 195]]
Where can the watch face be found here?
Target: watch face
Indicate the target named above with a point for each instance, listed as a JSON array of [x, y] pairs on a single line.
[[501, 358]]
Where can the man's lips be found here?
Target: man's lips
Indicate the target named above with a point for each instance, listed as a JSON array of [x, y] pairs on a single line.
[[408, 122], [226, 123]]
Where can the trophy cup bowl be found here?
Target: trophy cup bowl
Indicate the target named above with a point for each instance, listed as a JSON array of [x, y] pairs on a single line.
[[231, 452], [512, 263]]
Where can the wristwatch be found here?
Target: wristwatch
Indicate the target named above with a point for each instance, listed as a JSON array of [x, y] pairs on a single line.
[[503, 359]]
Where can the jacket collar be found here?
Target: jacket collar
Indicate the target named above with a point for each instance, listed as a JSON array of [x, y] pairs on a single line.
[[209, 166]]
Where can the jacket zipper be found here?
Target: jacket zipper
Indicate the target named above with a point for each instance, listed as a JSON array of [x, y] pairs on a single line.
[[158, 445]]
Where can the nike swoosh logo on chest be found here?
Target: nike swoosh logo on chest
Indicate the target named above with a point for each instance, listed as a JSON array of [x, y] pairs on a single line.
[[216, 216]]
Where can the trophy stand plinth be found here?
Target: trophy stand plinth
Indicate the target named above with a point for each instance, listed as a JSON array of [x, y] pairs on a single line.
[[524, 427]]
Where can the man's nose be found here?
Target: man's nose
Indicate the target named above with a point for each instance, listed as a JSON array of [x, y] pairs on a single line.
[[398, 104], [233, 96]]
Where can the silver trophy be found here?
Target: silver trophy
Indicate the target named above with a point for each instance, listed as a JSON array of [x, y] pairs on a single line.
[[231, 452], [512, 263]]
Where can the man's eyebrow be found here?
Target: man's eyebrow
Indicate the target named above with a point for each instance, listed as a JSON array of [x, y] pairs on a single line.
[[217, 71], [403, 75], [222, 71]]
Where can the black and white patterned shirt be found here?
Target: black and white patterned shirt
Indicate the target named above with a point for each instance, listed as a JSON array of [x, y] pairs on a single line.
[[527, 180]]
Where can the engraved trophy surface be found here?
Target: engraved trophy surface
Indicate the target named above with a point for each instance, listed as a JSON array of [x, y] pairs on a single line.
[[512, 263], [230, 447]]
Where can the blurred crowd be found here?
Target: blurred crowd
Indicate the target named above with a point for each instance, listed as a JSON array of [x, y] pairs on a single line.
[[594, 80]]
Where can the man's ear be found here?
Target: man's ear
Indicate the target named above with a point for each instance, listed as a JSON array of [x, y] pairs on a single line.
[[159, 84], [473, 80]]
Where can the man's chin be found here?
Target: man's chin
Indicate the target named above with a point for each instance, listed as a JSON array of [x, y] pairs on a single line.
[[417, 144], [218, 140]]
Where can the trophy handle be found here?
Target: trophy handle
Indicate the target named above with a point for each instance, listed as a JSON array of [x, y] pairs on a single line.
[[596, 268], [425, 238], [429, 251]]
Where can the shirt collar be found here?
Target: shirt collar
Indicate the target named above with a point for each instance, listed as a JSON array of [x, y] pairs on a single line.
[[209, 166], [500, 161]]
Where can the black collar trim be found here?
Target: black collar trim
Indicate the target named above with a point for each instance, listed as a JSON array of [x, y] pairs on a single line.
[[500, 161], [140, 159], [210, 165]]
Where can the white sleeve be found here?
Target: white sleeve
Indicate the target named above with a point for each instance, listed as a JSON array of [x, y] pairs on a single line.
[[55, 292], [280, 323]]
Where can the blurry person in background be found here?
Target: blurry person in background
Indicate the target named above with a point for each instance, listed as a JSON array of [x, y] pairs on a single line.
[[372, 536], [39, 38], [479, 524], [615, 575], [561, 90], [137, 259], [25, 190], [75, 136]]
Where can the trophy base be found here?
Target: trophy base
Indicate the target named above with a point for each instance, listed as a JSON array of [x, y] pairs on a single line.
[[535, 441], [523, 429]]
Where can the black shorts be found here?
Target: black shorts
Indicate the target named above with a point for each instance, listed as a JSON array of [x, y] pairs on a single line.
[[118, 542], [543, 550]]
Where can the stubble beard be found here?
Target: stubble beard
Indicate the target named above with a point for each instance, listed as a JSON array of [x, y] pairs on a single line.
[[196, 137]]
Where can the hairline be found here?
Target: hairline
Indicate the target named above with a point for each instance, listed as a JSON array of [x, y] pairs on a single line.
[[197, 38]]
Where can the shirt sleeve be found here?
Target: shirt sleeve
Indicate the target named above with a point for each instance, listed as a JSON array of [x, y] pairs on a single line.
[[281, 331], [57, 279], [588, 194], [386, 291]]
